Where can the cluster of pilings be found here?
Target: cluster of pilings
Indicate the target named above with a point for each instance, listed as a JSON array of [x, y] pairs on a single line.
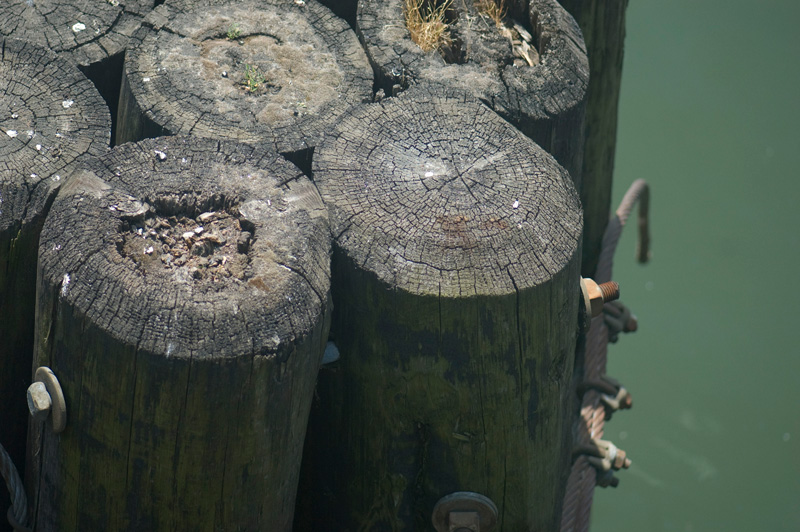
[[197, 197]]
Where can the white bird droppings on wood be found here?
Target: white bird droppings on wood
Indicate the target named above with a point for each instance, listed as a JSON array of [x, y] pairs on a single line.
[[65, 284]]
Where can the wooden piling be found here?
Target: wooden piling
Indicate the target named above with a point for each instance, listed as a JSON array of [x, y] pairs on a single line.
[[272, 71], [183, 303], [50, 116], [603, 26], [531, 68], [455, 277]]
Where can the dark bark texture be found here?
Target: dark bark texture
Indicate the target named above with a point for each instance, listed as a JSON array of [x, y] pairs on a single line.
[[545, 101], [455, 277], [50, 116], [87, 32], [603, 25], [187, 387], [273, 71]]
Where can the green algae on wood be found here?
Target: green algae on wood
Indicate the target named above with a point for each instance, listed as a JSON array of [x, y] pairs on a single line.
[[187, 383], [455, 277]]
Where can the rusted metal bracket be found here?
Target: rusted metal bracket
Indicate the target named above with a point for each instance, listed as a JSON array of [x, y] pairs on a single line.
[[464, 511]]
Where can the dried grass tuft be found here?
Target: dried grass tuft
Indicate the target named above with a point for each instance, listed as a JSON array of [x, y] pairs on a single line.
[[425, 20], [494, 9]]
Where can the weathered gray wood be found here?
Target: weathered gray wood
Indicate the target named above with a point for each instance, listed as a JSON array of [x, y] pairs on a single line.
[[184, 75], [603, 26], [93, 33], [87, 32], [545, 101], [455, 277], [187, 385], [50, 115]]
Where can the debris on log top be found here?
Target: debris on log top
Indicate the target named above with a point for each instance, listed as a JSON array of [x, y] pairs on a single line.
[[189, 246], [276, 71], [88, 32], [436, 194], [50, 115], [532, 64]]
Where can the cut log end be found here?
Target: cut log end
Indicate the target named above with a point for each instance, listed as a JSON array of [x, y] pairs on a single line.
[[50, 115], [435, 194], [196, 231], [275, 71], [86, 32]]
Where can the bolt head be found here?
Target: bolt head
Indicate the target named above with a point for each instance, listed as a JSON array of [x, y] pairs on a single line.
[[593, 296], [39, 401]]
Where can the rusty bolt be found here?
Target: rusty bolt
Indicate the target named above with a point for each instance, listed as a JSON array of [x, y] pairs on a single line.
[[617, 458], [621, 460], [622, 400], [39, 401], [604, 455], [595, 295]]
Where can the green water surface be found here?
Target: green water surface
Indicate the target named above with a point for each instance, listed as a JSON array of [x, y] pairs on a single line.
[[710, 116]]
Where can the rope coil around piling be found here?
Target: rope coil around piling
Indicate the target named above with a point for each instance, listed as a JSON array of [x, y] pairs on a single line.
[[583, 476]]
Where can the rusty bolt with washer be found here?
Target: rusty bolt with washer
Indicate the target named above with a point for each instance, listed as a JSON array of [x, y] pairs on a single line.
[[45, 399], [596, 295]]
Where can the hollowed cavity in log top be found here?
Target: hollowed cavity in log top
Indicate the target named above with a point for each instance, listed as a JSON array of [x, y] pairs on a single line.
[[251, 71], [193, 229], [436, 194], [490, 45], [478, 31], [211, 247]]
